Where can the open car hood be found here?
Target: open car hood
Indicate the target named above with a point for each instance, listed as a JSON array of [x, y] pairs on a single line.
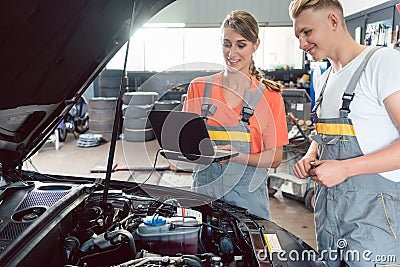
[[51, 51]]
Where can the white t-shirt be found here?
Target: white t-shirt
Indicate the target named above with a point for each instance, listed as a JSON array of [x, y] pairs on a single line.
[[372, 123]]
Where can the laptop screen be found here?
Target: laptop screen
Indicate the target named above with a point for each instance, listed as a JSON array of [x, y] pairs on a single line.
[[183, 132]]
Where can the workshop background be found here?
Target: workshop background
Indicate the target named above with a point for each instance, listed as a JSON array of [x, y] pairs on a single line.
[[183, 42]]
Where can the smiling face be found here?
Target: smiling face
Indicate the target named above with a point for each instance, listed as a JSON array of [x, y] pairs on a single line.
[[237, 50], [313, 28]]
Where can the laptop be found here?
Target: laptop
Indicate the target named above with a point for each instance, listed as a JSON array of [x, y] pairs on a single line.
[[183, 136]]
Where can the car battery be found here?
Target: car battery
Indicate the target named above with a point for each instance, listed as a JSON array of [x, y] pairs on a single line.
[[168, 236]]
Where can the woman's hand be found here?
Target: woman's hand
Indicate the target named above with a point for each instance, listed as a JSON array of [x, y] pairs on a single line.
[[226, 147], [266, 159]]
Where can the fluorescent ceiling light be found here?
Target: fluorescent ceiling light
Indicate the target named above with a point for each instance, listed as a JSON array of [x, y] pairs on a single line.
[[164, 25]]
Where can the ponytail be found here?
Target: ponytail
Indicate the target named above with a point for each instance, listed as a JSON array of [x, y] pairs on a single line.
[[271, 85]]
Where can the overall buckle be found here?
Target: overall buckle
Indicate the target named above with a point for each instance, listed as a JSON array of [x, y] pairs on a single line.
[[346, 98], [246, 113], [208, 110]]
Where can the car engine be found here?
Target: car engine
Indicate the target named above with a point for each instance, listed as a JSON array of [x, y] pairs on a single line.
[[132, 230], [70, 224]]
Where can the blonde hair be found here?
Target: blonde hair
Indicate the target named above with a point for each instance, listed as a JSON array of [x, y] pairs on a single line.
[[296, 7], [246, 25]]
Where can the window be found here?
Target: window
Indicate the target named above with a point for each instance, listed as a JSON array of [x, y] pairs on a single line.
[[160, 49]]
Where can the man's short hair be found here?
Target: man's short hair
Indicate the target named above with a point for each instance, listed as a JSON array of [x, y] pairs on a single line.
[[296, 7]]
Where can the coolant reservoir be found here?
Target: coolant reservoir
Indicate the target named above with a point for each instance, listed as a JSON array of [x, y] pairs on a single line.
[[169, 236]]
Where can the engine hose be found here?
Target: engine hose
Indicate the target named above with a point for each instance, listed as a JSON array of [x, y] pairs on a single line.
[[130, 238], [191, 262], [193, 257], [105, 240]]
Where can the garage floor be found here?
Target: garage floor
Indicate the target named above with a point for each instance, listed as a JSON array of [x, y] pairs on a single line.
[[133, 162]]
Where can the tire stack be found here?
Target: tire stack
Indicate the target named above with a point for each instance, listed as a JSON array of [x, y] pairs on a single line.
[[101, 113], [109, 83], [137, 128]]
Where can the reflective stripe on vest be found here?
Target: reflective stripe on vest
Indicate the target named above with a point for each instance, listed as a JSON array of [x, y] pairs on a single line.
[[335, 129], [233, 136]]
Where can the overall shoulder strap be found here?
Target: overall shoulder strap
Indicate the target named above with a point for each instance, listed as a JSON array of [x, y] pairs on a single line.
[[250, 101], [321, 96], [208, 109], [348, 95]]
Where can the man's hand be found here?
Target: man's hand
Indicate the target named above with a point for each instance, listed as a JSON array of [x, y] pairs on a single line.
[[328, 172], [302, 167]]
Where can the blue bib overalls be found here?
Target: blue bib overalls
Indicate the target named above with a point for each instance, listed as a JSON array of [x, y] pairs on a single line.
[[357, 221], [238, 184]]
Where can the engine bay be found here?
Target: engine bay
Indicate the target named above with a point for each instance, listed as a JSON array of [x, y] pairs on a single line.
[[131, 230], [60, 224]]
